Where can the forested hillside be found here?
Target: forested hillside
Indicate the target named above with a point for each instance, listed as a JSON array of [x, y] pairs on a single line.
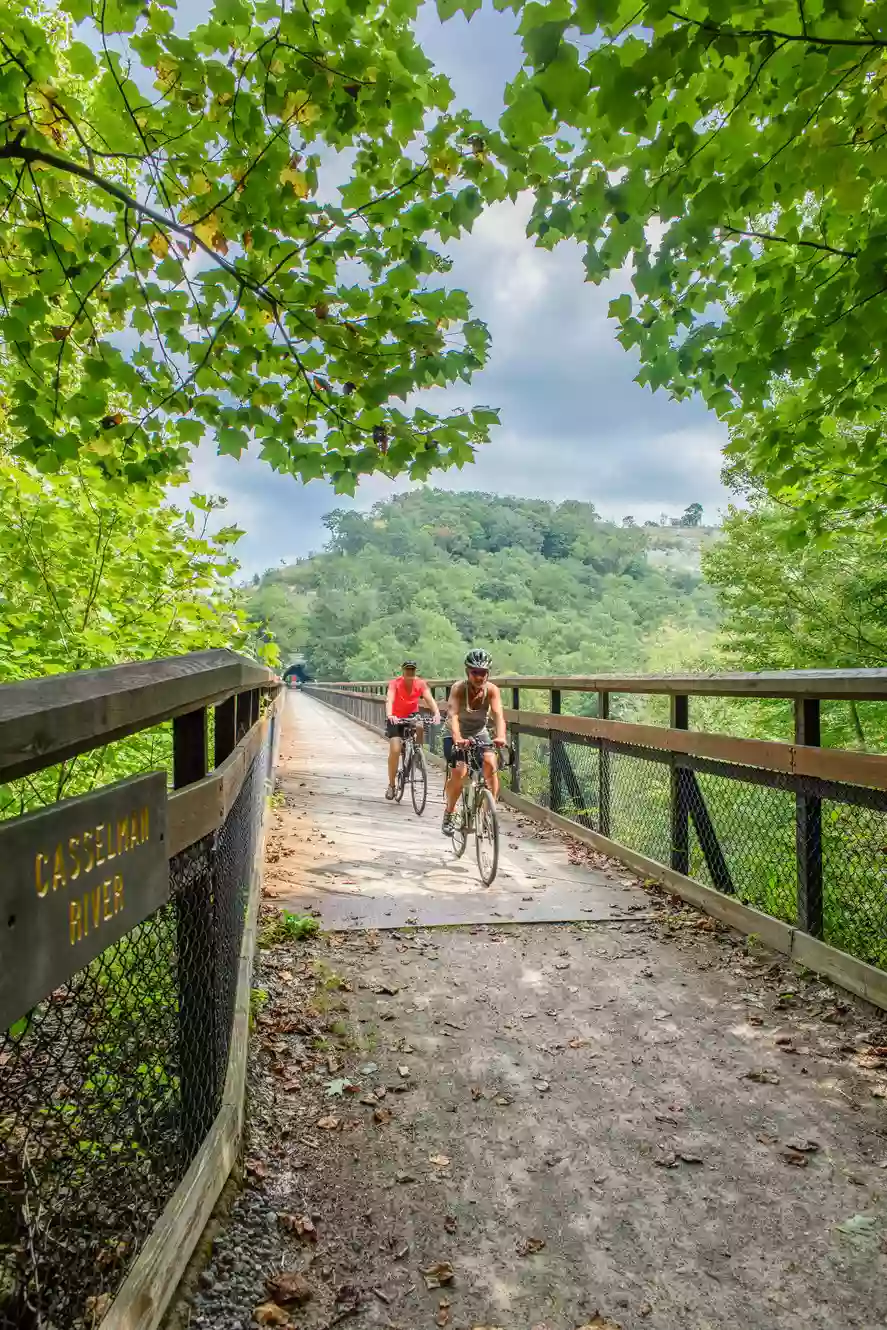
[[544, 586]]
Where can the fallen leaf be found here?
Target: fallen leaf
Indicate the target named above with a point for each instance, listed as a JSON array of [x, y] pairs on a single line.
[[368, 1068], [804, 1147], [476, 1092], [404, 1177], [529, 1246], [668, 1159], [288, 1286], [861, 1229], [542, 1086], [301, 1225], [761, 1076], [502, 1100], [382, 1115], [257, 1168], [327, 1124], [689, 1159], [385, 990], [450, 1223], [437, 1275], [439, 1161], [335, 1089], [577, 1043], [270, 1314], [599, 1322], [793, 1157], [442, 1316]]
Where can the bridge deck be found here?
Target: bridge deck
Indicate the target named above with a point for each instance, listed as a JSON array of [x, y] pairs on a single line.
[[364, 862], [646, 1124]]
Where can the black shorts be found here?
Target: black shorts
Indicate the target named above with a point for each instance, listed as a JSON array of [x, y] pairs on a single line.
[[394, 729], [454, 755]]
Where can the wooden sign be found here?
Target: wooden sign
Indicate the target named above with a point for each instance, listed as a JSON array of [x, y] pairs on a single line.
[[74, 878]]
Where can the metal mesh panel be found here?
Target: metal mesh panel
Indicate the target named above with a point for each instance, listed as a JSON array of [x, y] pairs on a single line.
[[109, 1087], [639, 805], [854, 850], [754, 828], [89, 1130], [574, 787]]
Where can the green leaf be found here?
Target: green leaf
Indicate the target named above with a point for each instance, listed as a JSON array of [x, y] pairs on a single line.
[[82, 60], [231, 442]]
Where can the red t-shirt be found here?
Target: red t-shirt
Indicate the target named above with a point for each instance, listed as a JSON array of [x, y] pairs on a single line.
[[406, 702]]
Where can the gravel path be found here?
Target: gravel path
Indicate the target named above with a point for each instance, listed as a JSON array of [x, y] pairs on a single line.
[[650, 1124]]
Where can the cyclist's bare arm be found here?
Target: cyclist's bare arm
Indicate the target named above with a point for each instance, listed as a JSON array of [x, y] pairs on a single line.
[[453, 711], [389, 703], [428, 697], [498, 714]]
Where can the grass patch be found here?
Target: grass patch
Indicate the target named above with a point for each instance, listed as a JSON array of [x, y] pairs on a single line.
[[257, 999], [288, 927]]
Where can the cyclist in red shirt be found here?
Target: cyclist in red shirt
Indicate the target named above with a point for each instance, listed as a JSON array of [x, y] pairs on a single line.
[[404, 695]]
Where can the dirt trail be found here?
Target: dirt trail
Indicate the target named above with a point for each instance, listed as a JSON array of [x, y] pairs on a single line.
[[637, 1124]]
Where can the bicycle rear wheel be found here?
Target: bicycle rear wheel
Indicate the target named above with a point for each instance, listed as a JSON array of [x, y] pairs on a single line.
[[419, 782], [486, 837], [460, 827]]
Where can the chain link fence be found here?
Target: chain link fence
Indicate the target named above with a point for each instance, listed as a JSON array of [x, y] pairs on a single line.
[[109, 1086], [807, 851]]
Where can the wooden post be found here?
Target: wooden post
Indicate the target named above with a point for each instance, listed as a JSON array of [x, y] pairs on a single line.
[[555, 784], [226, 730], [680, 822], [808, 826], [196, 961], [603, 711], [189, 757], [515, 743]]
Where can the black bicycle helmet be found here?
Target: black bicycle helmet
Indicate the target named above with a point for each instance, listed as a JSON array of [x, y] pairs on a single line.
[[409, 665], [478, 659]]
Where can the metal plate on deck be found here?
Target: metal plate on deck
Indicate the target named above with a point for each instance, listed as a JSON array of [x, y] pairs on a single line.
[[74, 878]]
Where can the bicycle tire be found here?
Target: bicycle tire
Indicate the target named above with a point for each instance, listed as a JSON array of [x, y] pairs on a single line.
[[419, 782], [400, 779], [486, 834], [460, 827]]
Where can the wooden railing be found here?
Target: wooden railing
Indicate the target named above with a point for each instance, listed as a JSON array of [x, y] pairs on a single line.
[[796, 831], [127, 928]]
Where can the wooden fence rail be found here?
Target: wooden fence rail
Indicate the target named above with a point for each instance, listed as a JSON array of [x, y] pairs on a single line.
[[140, 902]]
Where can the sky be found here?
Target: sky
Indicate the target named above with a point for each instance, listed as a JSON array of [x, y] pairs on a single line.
[[574, 424]]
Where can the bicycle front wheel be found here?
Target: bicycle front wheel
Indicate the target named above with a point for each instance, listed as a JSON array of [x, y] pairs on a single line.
[[486, 837], [419, 782]]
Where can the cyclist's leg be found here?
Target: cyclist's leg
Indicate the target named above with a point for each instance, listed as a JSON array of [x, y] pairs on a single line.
[[395, 743], [491, 772], [457, 773]]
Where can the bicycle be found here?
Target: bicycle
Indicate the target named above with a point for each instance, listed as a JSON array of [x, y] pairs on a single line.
[[476, 812], [411, 766]]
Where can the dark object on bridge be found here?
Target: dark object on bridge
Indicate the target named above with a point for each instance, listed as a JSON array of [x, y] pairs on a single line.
[[297, 672], [110, 1084]]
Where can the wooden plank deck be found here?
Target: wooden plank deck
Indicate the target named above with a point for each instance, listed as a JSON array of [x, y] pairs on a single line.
[[339, 847]]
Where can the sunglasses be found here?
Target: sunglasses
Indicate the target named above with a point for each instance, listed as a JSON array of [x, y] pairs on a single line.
[[478, 674]]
